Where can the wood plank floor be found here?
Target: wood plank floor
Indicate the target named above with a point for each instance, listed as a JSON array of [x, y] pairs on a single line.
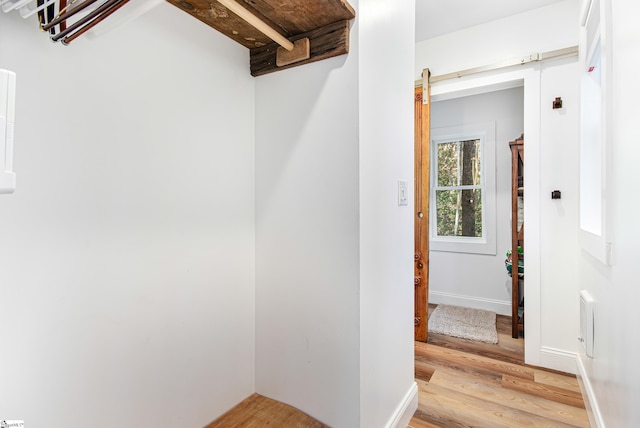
[[460, 384], [507, 349], [258, 411], [468, 384]]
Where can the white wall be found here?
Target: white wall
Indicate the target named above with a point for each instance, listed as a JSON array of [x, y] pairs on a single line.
[[544, 29], [127, 251], [386, 119], [613, 373], [559, 165], [483, 283], [550, 231], [307, 238], [333, 249]]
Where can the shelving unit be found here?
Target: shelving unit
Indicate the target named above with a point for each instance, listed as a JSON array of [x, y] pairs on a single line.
[[517, 235], [279, 33]]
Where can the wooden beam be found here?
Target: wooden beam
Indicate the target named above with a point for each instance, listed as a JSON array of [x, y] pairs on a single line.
[[217, 16], [287, 17], [324, 42]]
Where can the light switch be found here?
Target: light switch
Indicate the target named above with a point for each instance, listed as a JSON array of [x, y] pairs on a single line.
[[403, 193], [7, 117]]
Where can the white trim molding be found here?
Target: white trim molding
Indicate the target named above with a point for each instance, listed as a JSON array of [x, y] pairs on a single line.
[[502, 307], [558, 359], [589, 396], [486, 134], [595, 128], [404, 412]]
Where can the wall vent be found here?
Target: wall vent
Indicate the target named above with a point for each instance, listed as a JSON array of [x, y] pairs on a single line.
[[586, 322]]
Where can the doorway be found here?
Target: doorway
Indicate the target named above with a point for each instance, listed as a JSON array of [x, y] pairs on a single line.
[[467, 267], [527, 82]]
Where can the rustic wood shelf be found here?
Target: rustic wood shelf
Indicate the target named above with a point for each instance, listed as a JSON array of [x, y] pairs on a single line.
[[324, 22]]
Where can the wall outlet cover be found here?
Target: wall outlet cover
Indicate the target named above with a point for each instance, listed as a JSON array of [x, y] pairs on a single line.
[[403, 193]]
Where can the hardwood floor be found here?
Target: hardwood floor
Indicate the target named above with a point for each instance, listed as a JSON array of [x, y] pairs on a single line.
[[258, 411], [460, 384], [467, 384], [507, 349]]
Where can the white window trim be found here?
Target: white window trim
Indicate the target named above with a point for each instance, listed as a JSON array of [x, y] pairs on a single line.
[[486, 133], [595, 46]]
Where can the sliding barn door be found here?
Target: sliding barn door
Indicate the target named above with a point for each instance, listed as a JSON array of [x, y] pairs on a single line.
[[421, 267]]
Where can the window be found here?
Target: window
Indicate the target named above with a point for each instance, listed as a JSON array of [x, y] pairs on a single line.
[[594, 130], [459, 189], [463, 189]]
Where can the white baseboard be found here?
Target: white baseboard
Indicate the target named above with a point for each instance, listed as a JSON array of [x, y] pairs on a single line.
[[557, 359], [501, 307], [591, 403], [404, 412]]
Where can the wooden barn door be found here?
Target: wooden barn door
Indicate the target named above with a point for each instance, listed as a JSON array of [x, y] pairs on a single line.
[[421, 195]]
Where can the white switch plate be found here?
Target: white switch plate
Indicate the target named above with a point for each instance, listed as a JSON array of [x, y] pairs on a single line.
[[403, 193], [7, 117]]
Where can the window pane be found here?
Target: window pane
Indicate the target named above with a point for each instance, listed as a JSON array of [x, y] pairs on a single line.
[[448, 164], [459, 212], [459, 163]]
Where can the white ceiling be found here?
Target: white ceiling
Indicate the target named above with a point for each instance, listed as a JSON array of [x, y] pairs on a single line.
[[437, 17]]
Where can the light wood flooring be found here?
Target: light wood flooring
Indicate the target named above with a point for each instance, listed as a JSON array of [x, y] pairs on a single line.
[[507, 349], [469, 384], [258, 411], [461, 384]]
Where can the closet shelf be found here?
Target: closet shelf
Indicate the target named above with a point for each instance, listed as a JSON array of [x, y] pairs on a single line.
[[325, 23], [517, 234]]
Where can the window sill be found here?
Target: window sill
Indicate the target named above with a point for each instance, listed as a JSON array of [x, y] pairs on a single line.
[[463, 245]]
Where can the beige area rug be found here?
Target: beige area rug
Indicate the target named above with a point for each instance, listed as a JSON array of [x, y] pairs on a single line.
[[466, 323]]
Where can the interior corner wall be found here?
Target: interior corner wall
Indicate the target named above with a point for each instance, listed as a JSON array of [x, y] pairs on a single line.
[[126, 252], [386, 123], [334, 289], [307, 237], [483, 283]]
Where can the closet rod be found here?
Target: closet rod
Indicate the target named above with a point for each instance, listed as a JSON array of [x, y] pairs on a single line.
[[257, 23], [63, 16], [101, 17], [534, 57], [105, 8]]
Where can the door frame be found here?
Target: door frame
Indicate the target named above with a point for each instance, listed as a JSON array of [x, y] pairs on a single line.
[[527, 77]]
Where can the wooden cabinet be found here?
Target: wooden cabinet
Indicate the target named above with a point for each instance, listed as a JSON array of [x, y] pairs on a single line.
[[517, 236]]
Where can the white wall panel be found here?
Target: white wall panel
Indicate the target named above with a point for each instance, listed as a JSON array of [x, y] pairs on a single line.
[[126, 254]]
